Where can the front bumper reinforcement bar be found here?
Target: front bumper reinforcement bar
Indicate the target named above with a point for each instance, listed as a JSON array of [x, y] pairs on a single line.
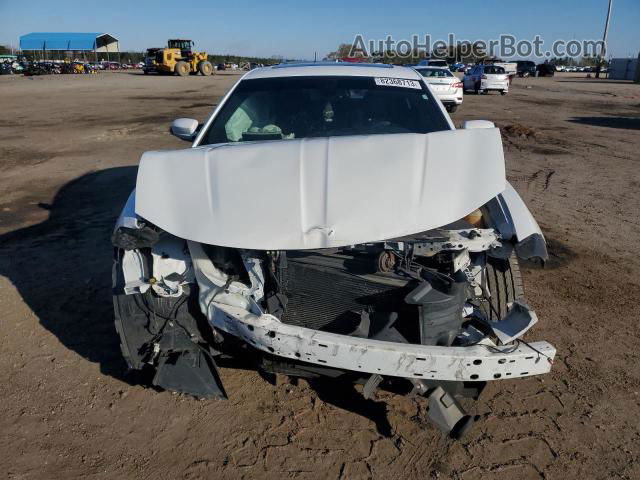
[[481, 362]]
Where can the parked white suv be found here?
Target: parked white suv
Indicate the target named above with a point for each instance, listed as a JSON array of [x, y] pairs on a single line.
[[484, 78], [329, 221], [445, 84]]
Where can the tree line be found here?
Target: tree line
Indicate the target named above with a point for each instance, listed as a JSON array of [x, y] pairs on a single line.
[[462, 52]]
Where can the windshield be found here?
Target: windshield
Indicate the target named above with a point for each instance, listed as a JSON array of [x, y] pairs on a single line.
[[435, 72], [181, 44], [493, 70], [305, 107]]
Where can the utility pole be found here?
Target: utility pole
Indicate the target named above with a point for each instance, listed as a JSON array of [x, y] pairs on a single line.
[[603, 49]]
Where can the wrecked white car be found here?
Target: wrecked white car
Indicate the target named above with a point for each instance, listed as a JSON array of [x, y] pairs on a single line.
[[329, 220]]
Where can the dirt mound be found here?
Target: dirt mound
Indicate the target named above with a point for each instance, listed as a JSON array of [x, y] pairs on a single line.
[[518, 130]]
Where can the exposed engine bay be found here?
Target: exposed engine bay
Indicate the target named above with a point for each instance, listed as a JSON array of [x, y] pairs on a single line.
[[434, 309]]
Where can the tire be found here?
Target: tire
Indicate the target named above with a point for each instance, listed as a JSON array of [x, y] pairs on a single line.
[[503, 92], [205, 68], [452, 108], [182, 69], [503, 281]]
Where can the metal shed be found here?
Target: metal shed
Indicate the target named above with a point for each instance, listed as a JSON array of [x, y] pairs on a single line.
[[61, 41]]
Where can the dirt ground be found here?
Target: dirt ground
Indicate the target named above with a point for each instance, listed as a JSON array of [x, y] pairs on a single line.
[[69, 146]]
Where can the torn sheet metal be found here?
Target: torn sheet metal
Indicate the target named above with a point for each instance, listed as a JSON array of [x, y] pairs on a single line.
[[171, 267], [134, 271], [516, 323], [320, 192]]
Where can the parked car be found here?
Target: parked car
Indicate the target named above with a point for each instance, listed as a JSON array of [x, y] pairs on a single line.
[[6, 68], [445, 84], [526, 68], [510, 68], [546, 70], [111, 65], [221, 66], [484, 78], [330, 221], [433, 62]]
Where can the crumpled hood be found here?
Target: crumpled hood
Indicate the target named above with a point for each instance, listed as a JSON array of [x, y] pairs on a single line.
[[320, 192]]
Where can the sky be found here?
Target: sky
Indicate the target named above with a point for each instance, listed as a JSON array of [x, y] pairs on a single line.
[[299, 29]]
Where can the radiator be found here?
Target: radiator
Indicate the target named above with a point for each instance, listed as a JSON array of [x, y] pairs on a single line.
[[328, 291]]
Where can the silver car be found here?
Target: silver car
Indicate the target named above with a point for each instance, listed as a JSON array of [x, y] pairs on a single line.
[[484, 78]]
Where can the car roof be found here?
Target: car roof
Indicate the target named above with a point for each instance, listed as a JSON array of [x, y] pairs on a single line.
[[333, 69]]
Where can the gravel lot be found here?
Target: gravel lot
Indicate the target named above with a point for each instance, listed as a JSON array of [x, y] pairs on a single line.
[[69, 146]]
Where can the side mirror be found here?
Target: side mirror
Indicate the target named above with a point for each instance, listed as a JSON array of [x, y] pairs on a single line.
[[184, 128], [477, 124]]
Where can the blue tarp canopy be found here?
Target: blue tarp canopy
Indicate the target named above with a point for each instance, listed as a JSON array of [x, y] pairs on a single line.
[[98, 42]]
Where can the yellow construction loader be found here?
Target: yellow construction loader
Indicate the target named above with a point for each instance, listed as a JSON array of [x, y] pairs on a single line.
[[179, 59]]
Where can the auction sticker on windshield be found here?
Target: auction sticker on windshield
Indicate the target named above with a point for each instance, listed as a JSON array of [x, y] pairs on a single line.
[[398, 82]]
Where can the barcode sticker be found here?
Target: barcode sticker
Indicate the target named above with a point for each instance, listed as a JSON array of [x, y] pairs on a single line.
[[398, 82]]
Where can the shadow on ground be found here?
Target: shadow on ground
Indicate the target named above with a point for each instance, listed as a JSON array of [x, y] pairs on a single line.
[[603, 81], [62, 266], [348, 398], [62, 270], [629, 123]]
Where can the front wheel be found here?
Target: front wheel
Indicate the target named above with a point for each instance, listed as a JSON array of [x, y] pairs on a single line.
[[205, 68], [182, 69], [503, 284], [451, 108]]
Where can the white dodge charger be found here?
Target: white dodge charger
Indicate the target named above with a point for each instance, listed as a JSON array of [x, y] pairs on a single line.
[[328, 220]]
